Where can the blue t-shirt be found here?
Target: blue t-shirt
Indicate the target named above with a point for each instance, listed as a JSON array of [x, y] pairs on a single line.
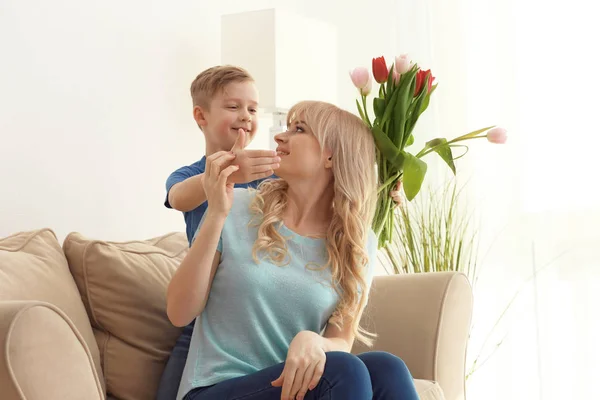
[[192, 218], [255, 310]]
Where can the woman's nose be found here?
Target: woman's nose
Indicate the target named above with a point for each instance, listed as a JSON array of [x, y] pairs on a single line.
[[281, 137]]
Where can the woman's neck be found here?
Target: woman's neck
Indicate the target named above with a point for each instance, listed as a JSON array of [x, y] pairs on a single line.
[[309, 211]]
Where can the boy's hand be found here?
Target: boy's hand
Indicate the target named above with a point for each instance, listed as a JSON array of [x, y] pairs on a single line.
[[254, 164]]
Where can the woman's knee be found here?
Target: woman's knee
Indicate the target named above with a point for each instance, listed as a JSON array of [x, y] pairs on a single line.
[[346, 362], [390, 377], [346, 367], [381, 363]]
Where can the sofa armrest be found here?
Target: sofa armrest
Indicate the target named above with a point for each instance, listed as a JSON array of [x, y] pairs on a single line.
[[424, 319], [43, 356]]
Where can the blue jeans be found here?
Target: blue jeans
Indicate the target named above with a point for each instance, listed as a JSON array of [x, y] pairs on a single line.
[[169, 381], [371, 375]]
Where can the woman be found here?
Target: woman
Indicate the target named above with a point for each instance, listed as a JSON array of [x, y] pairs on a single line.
[[279, 277]]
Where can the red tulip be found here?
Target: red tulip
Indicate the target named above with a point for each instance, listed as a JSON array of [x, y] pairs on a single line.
[[380, 71], [420, 81]]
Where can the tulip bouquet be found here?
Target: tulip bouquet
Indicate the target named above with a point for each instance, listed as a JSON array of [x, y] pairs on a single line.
[[404, 93]]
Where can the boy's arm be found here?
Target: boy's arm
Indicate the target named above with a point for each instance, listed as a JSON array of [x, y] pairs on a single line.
[[188, 194]]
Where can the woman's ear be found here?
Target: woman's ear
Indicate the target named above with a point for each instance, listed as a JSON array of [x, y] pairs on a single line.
[[329, 160], [200, 116]]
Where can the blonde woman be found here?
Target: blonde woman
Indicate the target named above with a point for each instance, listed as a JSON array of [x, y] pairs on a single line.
[[278, 277]]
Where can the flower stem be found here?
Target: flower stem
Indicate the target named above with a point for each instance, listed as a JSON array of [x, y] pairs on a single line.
[[427, 150], [388, 182], [364, 101], [382, 223]]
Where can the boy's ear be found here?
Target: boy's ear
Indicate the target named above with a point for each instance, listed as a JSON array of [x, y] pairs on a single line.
[[200, 116]]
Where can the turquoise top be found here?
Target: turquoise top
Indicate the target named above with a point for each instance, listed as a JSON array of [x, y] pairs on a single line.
[[255, 310]]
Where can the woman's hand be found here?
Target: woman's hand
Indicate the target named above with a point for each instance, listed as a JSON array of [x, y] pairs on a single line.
[[304, 366], [219, 193], [396, 195]]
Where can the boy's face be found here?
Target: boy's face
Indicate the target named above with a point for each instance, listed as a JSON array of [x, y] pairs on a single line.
[[232, 108]]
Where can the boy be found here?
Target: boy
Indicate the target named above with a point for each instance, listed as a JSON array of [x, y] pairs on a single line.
[[225, 102]]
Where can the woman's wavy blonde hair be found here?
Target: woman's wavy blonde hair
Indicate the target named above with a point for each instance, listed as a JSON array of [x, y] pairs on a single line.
[[354, 184]]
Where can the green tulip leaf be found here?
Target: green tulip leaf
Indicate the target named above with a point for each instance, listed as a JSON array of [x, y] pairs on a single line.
[[413, 175], [405, 95], [388, 148], [390, 107], [425, 103], [440, 146], [378, 107], [390, 79], [414, 116]]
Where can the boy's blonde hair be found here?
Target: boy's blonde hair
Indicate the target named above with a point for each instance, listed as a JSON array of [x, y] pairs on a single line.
[[213, 80], [355, 195]]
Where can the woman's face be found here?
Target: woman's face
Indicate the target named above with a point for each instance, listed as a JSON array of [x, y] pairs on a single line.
[[301, 155]]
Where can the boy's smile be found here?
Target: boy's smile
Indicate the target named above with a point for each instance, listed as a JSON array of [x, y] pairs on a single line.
[[232, 109]]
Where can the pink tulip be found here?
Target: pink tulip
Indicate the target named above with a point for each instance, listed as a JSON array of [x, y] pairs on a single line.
[[367, 89], [402, 64], [360, 77], [396, 77], [497, 135]]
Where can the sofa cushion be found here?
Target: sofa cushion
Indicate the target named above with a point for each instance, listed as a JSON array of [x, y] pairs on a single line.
[[429, 390], [33, 267], [35, 337], [123, 286]]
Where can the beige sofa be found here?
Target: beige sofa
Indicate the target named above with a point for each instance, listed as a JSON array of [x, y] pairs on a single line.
[[87, 319]]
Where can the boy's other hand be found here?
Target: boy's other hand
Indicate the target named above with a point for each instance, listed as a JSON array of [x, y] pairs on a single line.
[[254, 164]]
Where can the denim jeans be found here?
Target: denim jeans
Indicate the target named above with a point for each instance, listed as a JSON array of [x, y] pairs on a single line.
[[169, 381], [373, 375]]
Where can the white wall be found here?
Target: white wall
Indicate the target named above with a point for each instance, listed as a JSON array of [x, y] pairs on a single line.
[[535, 195], [95, 110]]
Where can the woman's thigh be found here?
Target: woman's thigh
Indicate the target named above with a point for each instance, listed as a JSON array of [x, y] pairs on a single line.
[[344, 377], [250, 387]]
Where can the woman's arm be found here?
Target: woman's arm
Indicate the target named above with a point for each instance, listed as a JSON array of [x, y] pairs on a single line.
[[189, 288], [336, 339], [342, 339]]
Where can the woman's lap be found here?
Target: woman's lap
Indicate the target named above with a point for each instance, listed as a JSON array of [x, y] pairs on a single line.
[[376, 375], [365, 376]]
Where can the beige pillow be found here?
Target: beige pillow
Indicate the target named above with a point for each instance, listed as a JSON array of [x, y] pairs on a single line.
[[123, 286], [33, 267]]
